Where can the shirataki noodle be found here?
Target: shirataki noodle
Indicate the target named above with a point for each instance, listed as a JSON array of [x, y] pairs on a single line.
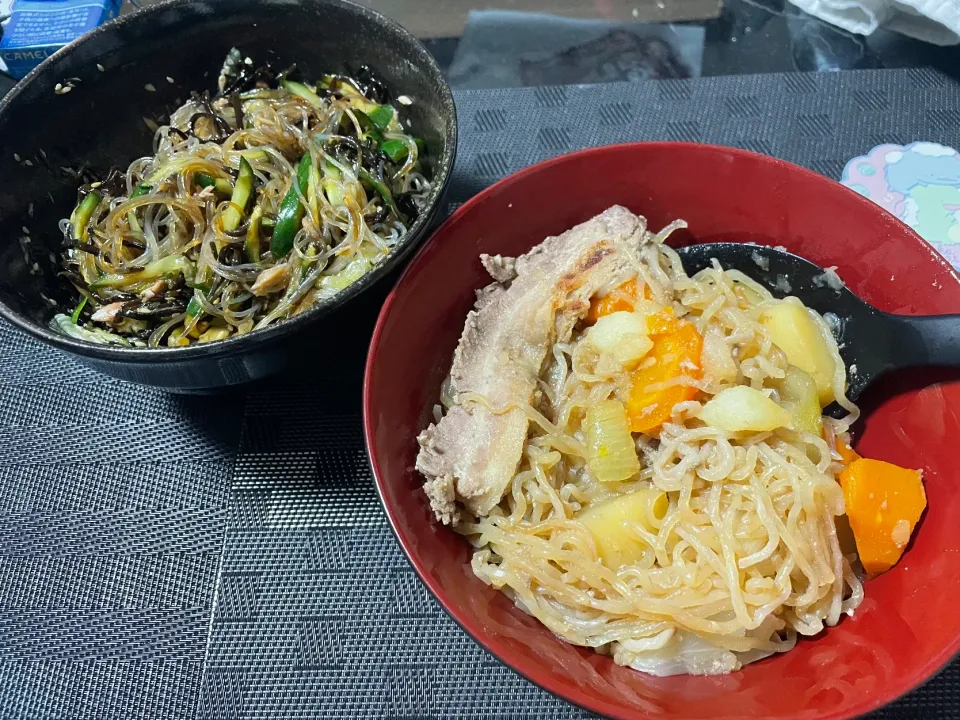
[[741, 550], [172, 252]]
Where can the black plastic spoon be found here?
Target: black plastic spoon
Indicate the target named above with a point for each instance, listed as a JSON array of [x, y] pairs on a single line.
[[872, 343]]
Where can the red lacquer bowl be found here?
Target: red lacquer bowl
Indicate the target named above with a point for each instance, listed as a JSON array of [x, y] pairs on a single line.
[[909, 624]]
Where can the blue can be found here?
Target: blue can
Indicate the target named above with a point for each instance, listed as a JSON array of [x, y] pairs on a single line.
[[38, 28]]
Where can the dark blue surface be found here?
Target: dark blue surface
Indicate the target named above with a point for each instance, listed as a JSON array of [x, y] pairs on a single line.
[[761, 36], [227, 557]]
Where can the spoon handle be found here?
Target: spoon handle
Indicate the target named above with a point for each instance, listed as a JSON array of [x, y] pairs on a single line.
[[924, 340]]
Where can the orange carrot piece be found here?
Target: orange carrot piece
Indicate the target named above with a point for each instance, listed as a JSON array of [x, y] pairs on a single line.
[[676, 349], [884, 503], [664, 323], [847, 453], [676, 353], [621, 299]]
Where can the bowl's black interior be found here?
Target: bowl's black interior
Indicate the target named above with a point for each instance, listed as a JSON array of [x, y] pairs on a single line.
[[150, 62]]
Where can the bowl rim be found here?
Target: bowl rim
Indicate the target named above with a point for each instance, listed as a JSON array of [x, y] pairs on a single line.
[[239, 344], [921, 674]]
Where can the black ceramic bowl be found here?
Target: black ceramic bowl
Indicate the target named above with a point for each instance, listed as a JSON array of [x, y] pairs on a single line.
[[100, 123]]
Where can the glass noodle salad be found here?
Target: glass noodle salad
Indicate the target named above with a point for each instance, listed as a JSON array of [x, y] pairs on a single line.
[[257, 203]]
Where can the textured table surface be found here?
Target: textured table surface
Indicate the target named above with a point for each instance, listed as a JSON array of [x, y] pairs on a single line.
[[181, 557]]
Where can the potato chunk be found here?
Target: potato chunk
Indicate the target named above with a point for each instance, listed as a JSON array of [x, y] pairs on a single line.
[[793, 329], [742, 408], [622, 336], [717, 356], [798, 394], [610, 523]]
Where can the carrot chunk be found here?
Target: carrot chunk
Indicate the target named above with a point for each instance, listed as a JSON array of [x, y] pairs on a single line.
[[674, 353], [621, 299], [847, 453], [664, 323], [884, 503]]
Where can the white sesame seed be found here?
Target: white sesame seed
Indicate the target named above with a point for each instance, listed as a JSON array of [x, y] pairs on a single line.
[[58, 87], [101, 68], [16, 157], [96, 184], [66, 89], [25, 229], [248, 61], [404, 100], [170, 80], [28, 163], [149, 87]]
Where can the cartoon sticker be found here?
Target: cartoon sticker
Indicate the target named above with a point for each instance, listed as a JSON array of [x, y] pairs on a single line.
[[920, 184]]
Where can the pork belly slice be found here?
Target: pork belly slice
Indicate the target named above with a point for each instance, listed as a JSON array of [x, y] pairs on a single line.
[[472, 454]]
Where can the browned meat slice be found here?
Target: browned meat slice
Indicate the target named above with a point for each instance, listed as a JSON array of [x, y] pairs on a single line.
[[473, 453]]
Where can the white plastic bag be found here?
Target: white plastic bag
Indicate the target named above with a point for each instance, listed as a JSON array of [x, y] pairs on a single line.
[[933, 21]]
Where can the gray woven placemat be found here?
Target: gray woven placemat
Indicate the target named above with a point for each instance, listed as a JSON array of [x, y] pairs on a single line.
[[181, 557]]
